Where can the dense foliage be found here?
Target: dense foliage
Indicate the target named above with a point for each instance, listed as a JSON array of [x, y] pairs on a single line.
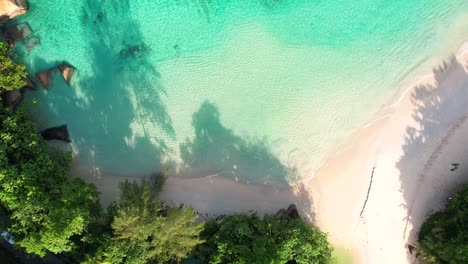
[[444, 236], [12, 74], [45, 209], [246, 238], [145, 230]]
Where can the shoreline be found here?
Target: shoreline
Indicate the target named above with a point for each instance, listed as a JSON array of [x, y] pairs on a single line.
[[385, 111], [386, 143], [332, 198]]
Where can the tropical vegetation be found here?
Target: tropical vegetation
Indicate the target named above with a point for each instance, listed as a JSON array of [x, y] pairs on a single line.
[[247, 238], [12, 74], [45, 209], [444, 237], [145, 230]]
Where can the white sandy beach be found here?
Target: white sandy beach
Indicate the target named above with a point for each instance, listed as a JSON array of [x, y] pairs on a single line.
[[412, 149]]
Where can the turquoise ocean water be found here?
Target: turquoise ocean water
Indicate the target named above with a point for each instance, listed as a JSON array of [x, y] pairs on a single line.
[[257, 90]]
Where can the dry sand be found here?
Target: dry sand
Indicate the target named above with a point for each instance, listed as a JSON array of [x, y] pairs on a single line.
[[411, 149]]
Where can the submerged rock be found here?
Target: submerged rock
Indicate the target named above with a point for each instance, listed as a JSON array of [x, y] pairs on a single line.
[[12, 8], [133, 50], [177, 49], [45, 77], [288, 214], [57, 133], [16, 33], [67, 71], [32, 42], [100, 16]]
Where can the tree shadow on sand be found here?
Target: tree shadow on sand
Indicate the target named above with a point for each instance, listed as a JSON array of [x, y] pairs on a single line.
[[117, 109], [216, 150], [441, 108]]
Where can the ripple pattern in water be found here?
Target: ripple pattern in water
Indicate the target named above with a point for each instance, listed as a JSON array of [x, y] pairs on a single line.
[[258, 90]]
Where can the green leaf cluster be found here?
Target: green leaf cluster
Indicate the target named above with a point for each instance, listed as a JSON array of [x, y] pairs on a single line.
[[46, 210], [145, 230], [12, 74], [247, 238], [443, 238]]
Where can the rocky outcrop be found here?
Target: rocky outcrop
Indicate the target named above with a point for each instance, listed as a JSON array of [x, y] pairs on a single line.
[[17, 32], [288, 214], [45, 77], [57, 133], [66, 70], [10, 98], [12, 8], [29, 84]]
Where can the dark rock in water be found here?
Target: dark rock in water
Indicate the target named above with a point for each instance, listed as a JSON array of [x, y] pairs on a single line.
[[292, 212], [29, 84], [100, 16], [66, 70], [45, 77], [11, 98], [177, 49], [57, 133], [129, 51], [18, 32], [288, 214], [133, 50]]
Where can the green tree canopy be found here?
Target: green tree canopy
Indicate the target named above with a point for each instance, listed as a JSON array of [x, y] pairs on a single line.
[[444, 236], [12, 74], [145, 230], [46, 210], [246, 238]]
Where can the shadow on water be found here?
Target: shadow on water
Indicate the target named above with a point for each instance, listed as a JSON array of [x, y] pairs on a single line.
[[216, 150], [115, 112], [117, 108], [440, 107], [127, 109], [119, 124]]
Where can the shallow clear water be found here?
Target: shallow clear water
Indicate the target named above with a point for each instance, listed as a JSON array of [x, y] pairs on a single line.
[[258, 90]]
